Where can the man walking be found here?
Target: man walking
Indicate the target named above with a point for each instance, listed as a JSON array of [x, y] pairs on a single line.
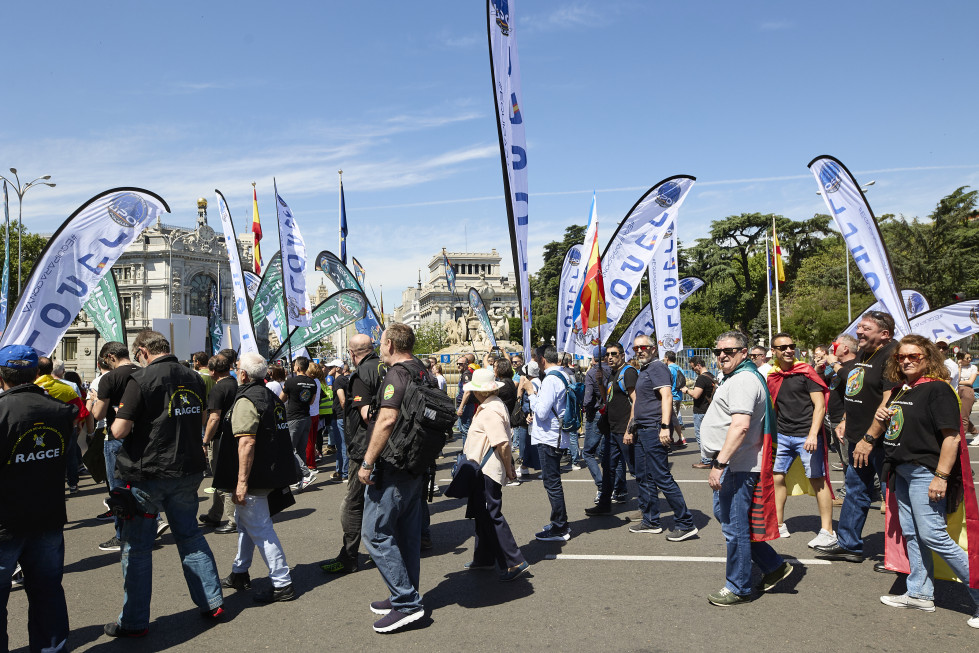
[[392, 524], [247, 469], [733, 436], [651, 433], [298, 393], [618, 455], [702, 392], [362, 386], [548, 406], [32, 514], [866, 391], [159, 420], [219, 402]]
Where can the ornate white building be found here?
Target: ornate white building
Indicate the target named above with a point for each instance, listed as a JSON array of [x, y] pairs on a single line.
[[168, 271], [432, 302]]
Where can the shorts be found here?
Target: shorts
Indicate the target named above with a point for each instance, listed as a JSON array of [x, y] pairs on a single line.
[[790, 447]]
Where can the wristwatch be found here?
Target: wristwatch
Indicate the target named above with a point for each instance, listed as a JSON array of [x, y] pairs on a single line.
[[716, 464], [869, 439], [367, 465], [664, 426]]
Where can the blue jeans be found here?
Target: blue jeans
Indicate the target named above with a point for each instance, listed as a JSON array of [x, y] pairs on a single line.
[[528, 451], [731, 505], [178, 498], [337, 437], [255, 529], [550, 464], [573, 449], [299, 434], [42, 558], [593, 450], [73, 459], [653, 476], [110, 451], [697, 419], [924, 527], [856, 503], [392, 530]]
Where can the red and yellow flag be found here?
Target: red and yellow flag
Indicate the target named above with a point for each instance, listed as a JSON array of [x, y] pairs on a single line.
[[592, 310], [257, 231], [777, 258]]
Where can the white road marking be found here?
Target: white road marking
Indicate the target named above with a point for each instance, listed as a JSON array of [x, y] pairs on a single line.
[[571, 556]]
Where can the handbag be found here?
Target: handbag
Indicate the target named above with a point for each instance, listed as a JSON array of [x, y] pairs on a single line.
[[464, 481]]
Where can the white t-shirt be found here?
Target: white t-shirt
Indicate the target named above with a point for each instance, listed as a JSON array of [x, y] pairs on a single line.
[[953, 371], [967, 373], [314, 407], [490, 427], [275, 387], [93, 391], [441, 381]]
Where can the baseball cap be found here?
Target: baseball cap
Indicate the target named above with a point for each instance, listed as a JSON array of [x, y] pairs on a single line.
[[942, 341], [336, 362], [599, 352], [18, 356]]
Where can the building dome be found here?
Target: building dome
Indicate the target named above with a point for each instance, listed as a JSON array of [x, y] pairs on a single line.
[[201, 203]]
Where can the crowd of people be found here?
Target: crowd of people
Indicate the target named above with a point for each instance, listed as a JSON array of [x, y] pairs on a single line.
[[892, 410]]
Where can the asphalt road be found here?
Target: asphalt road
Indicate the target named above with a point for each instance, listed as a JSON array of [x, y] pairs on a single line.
[[636, 592]]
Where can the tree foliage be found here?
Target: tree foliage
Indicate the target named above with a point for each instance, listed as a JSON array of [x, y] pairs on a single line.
[[431, 337], [544, 285], [31, 247]]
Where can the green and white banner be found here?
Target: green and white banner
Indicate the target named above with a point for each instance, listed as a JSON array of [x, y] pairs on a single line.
[[332, 314], [105, 310], [268, 302]]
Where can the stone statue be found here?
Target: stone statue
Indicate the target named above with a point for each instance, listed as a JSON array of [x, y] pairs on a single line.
[[501, 324], [175, 294], [452, 333]]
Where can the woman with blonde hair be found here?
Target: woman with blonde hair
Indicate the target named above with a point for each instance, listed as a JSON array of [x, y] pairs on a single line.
[[921, 446]]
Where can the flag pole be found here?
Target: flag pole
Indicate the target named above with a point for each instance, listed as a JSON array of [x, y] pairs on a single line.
[[778, 310], [768, 284], [285, 303], [340, 213]]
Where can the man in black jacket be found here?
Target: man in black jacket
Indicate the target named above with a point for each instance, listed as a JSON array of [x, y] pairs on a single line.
[[159, 420], [35, 430], [362, 386], [249, 470]]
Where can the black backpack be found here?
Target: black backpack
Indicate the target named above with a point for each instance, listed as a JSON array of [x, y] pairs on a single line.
[[423, 425]]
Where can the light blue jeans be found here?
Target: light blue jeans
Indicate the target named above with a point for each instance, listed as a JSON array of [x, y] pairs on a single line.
[[697, 419], [110, 451], [923, 524], [255, 529], [178, 498], [339, 441]]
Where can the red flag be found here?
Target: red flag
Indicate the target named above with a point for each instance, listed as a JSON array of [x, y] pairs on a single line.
[[590, 310], [257, 231]]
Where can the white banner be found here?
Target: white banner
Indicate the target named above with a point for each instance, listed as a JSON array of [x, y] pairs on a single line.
[[914, 304], [571, 276], [252, 282], [293, 248], [856, 222], [74, 260], [664, 294], [243, 308], [505, 66], [643, 324], [953, 322], [632, 247]]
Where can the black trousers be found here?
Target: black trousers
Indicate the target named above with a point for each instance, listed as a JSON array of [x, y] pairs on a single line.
[[494, 540]]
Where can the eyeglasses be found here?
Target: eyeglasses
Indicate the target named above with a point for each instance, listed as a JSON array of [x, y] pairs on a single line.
[[753, 355], [913, 358], [642, 347], [728, 351], [791, 346]]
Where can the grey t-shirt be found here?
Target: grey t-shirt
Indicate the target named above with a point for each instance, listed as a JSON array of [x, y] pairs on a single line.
[[743, 394]]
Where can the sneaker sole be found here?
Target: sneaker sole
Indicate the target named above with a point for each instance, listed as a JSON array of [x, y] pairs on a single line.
[[814, 544], [506, 579], [719, 604], [411, 618], [907, 605], [652, 531], [686, 535], [554, 538]]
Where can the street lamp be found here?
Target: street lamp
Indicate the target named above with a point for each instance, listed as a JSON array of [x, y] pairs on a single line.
[[171, 239], [20, 190]]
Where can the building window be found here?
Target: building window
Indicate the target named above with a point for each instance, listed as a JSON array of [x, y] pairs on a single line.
[[202, 291], [123, 272], [127, 308], [70, 349]]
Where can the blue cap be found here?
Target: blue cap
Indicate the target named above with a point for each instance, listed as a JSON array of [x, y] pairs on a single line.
[[18, 356], [599, 352]]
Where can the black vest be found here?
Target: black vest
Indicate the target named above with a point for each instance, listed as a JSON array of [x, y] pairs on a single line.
[[371, 372], [166, 441], [35, 430], [274, 463]]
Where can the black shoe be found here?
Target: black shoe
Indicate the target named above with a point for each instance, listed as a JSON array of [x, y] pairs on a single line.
[[210, 521], [426, 543], [113, 629], [105, 516], [837, 552], [237, 581], [227, 528], [338, 566], [880, 568], [276, 594], [598, 510]]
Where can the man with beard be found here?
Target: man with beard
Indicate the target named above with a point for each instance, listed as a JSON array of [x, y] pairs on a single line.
[[866, 391], [618, 456]]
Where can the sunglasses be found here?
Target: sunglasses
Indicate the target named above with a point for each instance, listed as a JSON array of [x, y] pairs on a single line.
[[642, 347], [914, 358], [728, 351], [784, 347], [614, 353], [755, 355]]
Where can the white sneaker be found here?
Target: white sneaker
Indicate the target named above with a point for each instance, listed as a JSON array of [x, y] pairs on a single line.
[[825, 538], [576, 467], [974, 621], [905, 601], [975, 442], [307, 481], [514, 483], [783, 531]]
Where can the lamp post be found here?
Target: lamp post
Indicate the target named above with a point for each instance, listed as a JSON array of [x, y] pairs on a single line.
[[171, 239], [849, 307], [21, 190]]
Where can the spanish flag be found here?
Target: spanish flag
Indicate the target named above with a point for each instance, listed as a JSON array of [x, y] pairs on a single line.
[[257, 231], [777, 258], [591, 309]]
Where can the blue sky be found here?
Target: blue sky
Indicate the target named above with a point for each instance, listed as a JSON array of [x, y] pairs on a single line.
[[185, 97]]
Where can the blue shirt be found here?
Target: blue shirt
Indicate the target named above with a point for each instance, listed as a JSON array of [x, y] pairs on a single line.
[[648, 409], [548, 408], [675, 373]]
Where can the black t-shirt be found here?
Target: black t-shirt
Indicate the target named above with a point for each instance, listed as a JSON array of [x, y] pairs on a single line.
[[112, 385], [649, 403], [837, 391], [340, 382], [222, 395], [393, 387], [706, 384], [508, 393], [914, 434], [865, 387], [793, 405], [619, 402], [300, 391]]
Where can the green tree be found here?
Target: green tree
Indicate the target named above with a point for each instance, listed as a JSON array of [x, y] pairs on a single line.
[[431, 337], [31, 247], [544, 285]]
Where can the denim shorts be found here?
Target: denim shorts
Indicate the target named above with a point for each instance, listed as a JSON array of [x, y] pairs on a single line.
[[790, 447]]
